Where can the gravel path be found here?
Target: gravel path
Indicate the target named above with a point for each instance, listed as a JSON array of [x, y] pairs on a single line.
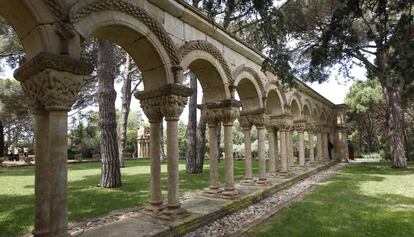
[[240, 220]]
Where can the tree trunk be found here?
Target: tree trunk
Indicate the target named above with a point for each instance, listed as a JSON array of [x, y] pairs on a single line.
[[219, 155], [191, 155], [162, 151], [201, 146], [1, 139], [126, 103], [396, 125], [110, 169]]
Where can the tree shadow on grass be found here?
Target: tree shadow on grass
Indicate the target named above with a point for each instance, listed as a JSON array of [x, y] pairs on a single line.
[[339, 207]]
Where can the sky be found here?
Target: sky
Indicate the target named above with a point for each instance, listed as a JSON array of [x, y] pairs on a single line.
[[334, 90]]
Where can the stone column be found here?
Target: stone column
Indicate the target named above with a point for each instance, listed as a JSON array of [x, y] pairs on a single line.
[[319, 146], [173, 100], [229, 115], [283, 151], [311, 147], [151, 108], [247, 126], [52, 83], [211, 119], [289, 150], [261, 154], [272, 157], [276, 149], [301, 148], [325, 145], [42, 178]]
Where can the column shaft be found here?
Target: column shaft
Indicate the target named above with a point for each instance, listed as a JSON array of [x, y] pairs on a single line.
[[228, 151], [301, 148], [248, 154], [272, 158], [289, 150], [156, 197], [42, 180], [276, 148], [212, 140], [58, 150], [283, 152], [311, 147], [319, 146], [172, 163], [261, 153]]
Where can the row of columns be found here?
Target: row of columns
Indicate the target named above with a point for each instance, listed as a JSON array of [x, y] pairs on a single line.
[[144, 147]]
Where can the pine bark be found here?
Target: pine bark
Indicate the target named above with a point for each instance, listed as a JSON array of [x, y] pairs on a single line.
[[219, 155], [191, 154], [125, 109], [201, 146], [396, 125], [1, 139], [110, 167]]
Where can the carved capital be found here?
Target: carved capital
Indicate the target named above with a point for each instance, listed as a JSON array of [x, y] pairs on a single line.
[[283, 122], [151, 108], [225, 111], [245, 122], [168, 100], [299, 125], [52, 82]]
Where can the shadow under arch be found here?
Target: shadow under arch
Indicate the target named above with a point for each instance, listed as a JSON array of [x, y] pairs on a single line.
[[249, 88], [210, 68], [138, 33]]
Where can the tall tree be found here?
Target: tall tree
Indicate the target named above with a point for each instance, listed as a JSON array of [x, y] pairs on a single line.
[[191, 155], [131, 79], [316, 36], [110, 170]]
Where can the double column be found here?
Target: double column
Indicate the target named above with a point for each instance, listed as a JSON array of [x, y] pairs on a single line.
[[311, 143], [224, 111], [167, 101], [300, 128], [284, 124], [52, 83]]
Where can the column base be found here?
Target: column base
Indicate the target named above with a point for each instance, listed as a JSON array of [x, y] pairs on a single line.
[[231, 194], [262, 182], [285, 174], [248, 181], [173, 213], [40, 233], [154, 208], [212, 190]]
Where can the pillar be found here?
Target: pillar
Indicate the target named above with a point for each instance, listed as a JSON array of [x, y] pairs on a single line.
[[228, 115], [301, 148], [248, 177], [283, 151], [154, 116], [311, 147], [319, 146], [272, 157], [42, 180], [325, 150], [289, 150], [212, 141], [261, 154], [52, 83], [276, 149]]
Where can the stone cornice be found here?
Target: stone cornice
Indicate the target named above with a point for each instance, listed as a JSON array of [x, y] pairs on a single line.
[[44, 60], [168, 89], [224, 104]]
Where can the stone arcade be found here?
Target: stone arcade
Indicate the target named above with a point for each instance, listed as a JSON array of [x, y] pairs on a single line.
[[165, 38]]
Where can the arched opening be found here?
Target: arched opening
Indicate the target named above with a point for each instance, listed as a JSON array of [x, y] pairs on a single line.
[[295, 109], [274, 104]]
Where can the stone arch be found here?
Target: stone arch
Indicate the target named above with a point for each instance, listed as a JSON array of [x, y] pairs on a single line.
[[323, 116], [31, 20], [131, 27], [207, 62], [275, 99], [250, 88], [307, 112], [295, 107]]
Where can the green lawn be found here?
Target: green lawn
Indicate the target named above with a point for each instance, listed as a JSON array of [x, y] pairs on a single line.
[[85, 200], [363, 200]]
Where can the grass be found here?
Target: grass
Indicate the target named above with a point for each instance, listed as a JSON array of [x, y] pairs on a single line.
[[362, 200], [85, 200]]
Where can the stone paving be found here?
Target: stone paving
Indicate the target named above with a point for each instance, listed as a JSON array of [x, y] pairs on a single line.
[[203, 211]]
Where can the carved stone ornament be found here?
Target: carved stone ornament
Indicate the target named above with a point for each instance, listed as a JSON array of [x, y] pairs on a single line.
[[225, 111], [52, 82], [283, 121], [299, 125], [245, 122], [211, 49], [135, 11], [255, 117], [168, 100]]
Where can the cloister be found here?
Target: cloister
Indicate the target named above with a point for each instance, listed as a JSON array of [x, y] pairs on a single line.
[[165, 38]]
